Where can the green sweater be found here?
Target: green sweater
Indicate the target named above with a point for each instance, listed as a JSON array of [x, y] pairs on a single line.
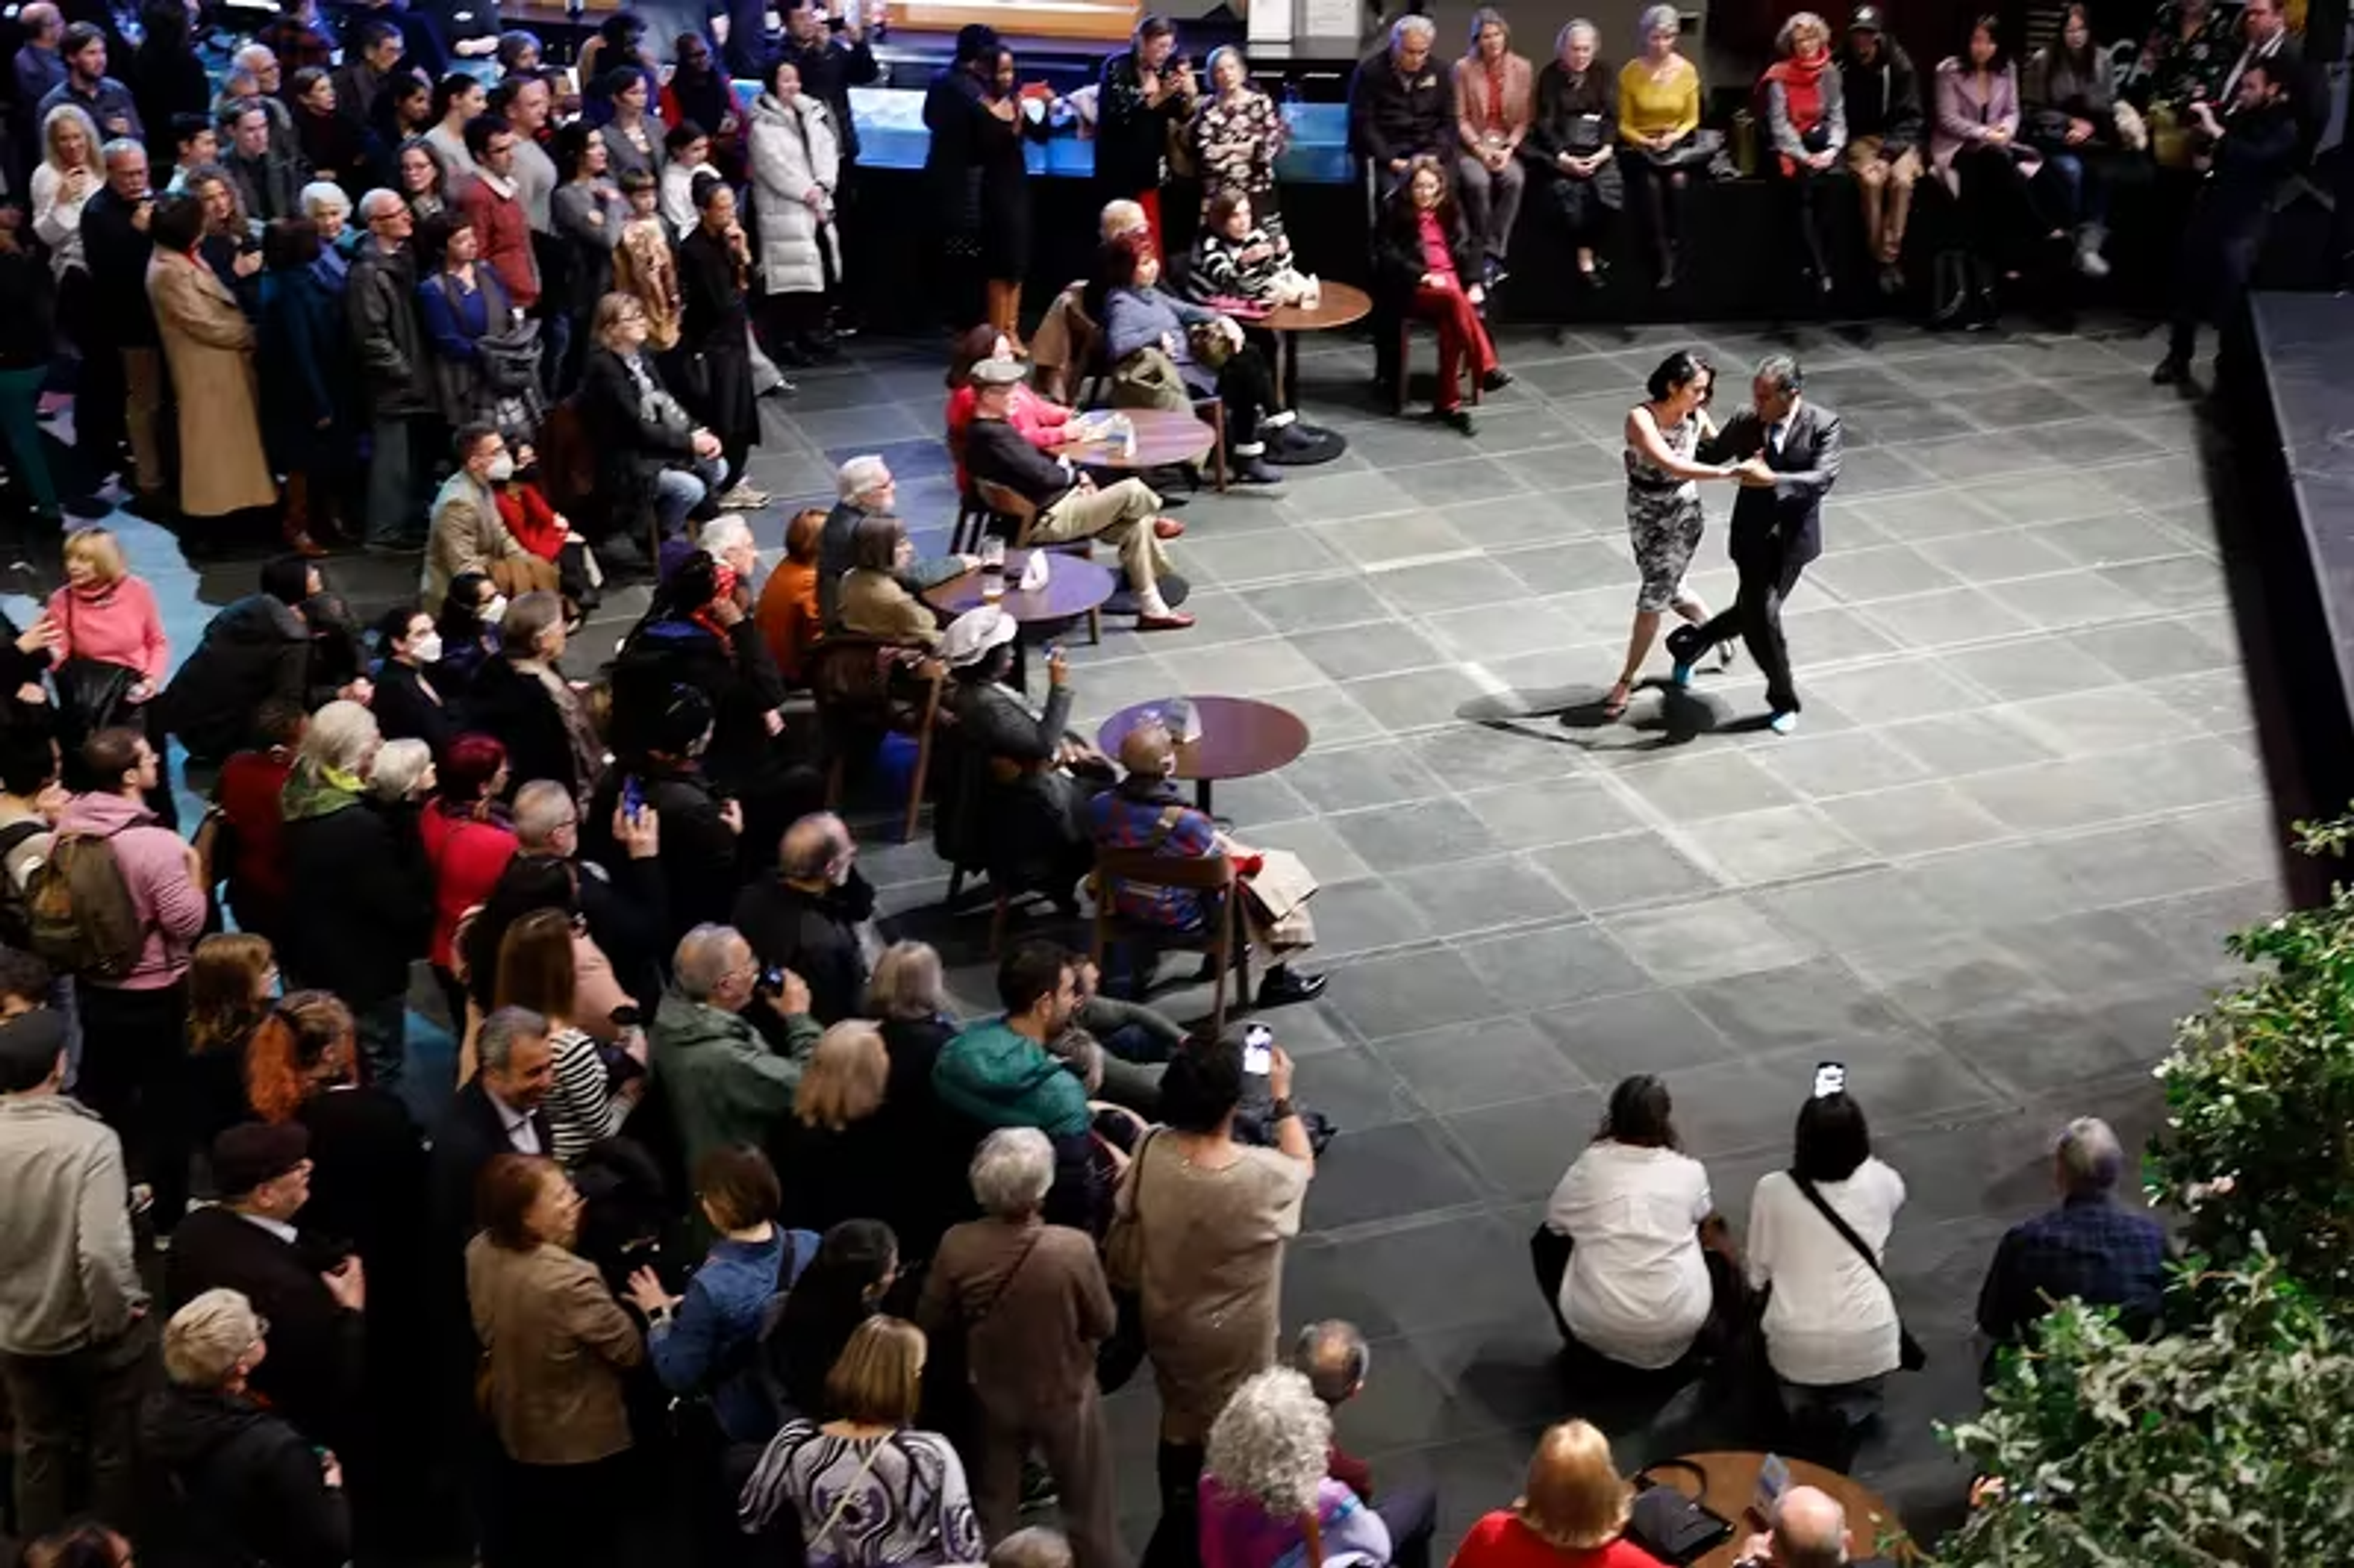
[[725, 1085], [1000, 1078]]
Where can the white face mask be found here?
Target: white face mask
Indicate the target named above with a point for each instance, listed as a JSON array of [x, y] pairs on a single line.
[[502, 469], [426, 650], [494, 609]]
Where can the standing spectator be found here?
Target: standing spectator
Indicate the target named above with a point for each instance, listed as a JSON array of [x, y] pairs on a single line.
[[643, 267], [209, 343], [68, 175], [1265, 1492], [2071, 119], [697, 92], [1426, 266], [247, 849], [714, 262], [333, 144], [1238, 133], [998, 1073], [361, 882], [396, 376], [1659, 115], [269, 183], [687, 148], [845, 1151], [306, 376], [372, 51], [493, 203], [104, 615], [106, 100], [806, 917], [469, 840], [1398, 106], [121, 392], [1831, 1329], [1492, 89], [537, 973], [856, 1264], [955, 111], [311, 1288], [28, 344], [424, 184], [833, 55], [1975, 147], [2089, 1249], [796, 158], [907, 1486], [459, 100], [1208, 1219], [587, 212], [241, 1480], [2186, 56], [1030, 1301], [167, 78], [1882, 92], [726, 1088], [75, 1351], [484, 369], [1006, 122], [556, 1346], [634, 139], [1570, 140], [1806, 121], [295, 38], [1572, 1512], [38, 69], [501, 1109], [1146, 96], [134, 1005]]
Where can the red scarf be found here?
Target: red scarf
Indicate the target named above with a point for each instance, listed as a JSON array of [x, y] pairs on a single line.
[[1802, 92]]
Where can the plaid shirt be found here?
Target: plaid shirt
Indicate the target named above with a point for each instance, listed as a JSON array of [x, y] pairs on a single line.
[[1129, 818], [2087, 1247]]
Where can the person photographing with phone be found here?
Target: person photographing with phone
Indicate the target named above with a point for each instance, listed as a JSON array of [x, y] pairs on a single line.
[[808, 917], [1145, 92]]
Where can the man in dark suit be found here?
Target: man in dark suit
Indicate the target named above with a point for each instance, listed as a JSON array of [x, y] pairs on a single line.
[[310, 1287], [1787, 451], [501, 1111], [2256, 148]]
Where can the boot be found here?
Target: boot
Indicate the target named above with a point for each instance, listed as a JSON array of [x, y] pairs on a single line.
[[296, 526], [2090, 238]]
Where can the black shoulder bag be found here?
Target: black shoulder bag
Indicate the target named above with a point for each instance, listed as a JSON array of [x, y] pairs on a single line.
[[1909, 1353]]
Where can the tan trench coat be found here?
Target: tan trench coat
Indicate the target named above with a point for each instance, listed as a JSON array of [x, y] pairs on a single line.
[[209, 345]]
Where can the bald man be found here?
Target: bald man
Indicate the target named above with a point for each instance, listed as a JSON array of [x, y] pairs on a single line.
[[2089, 1247], [809, 915], [1145, 812], [1809, 1532]]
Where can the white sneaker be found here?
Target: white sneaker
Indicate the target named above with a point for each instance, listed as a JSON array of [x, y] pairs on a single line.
[[744, 498]]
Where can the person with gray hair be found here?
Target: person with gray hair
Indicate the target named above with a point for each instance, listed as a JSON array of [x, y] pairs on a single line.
[[810, 915], [1809, 1530], [1658, 122], [2089, 1248], [726, 1086], [1805, 119], [867, 490], [1400, 106], [1264, 1485], [1334, 1358], [1031, 1305], [395, 372], [502, 1109], [1493, 111], [1786, 452], [1570, 143]]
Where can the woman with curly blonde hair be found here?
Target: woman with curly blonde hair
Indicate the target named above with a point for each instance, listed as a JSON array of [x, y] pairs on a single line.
[[1571, 1513]]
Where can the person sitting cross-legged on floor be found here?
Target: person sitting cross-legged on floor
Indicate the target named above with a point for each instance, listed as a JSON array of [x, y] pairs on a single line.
[[1145, 813], [1124, 515]]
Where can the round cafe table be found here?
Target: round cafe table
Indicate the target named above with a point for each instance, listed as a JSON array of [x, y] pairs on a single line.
[[1241, 738], [1731, 1491], [1338, 306], [1165, 437], [1075, 584]]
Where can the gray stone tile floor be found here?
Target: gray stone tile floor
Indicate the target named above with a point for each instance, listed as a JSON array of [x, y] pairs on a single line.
[[2025, 804]]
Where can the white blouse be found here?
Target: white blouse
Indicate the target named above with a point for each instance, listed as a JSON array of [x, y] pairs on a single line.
[[1637, 1288], [1832, 1319], [58, 220]]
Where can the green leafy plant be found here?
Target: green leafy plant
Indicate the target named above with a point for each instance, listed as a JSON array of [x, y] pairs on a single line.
[[2230, 1443], [2258, 1140]]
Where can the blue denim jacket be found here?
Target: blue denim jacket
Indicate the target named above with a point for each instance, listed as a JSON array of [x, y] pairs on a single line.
[[709, 1346]]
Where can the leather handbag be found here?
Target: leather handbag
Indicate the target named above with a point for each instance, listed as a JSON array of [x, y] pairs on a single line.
[[1909, 1353]]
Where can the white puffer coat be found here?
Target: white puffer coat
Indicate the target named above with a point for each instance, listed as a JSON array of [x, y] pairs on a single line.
[[794, 148]]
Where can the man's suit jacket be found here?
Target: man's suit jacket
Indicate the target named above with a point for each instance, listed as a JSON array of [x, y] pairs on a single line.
[[1782, 526], [469, 1134], [313, 1375]]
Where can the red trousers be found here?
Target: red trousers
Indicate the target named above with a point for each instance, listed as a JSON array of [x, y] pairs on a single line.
[[1150, 200], [1460, 333]]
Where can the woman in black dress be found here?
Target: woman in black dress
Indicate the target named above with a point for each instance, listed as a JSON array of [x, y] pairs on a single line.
[[953, 117], [1005, 194], [715, 343]]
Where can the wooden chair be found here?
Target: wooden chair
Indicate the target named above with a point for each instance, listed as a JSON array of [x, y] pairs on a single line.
[[1021, 516], [861, 684], [1405, 365], [1222, 933], [1091, 375]]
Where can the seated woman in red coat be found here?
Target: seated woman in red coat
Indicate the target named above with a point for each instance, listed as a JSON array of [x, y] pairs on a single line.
[[1422, 255], [1572, 1512], [1038, 421]]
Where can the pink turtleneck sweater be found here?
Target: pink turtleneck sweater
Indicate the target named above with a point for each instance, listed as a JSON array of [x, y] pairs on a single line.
[[116, 623]]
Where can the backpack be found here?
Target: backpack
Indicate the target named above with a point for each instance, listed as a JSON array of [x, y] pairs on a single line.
[[16, 918], [80, 914]]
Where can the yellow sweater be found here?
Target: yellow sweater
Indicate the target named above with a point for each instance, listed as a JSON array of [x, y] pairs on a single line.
[[1645, 107]]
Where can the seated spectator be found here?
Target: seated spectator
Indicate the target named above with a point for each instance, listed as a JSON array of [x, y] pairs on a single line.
[[808, 917], [105, 616], [1399, 107], [1635, 1217], [874, 602], [787, 612], [705, 1344], [1236, 257], [543, 531], [256, 649], [1146, 811], [857, 1263], [469, 534], [2071, 103], [725, 1086], [1124, 516], [1149, 334], [557, 1348], [1033, 799], [1039, 421], [715, 332], [1882, 92], [1976, 145], [362, 886], [409, 703], [1030, 1302], [908, 1485], [2089, 1248], [1264, 1495], [1831, 1329], [1806, 121], [1335, 1360], [1572, 1512], [654, 456], [1659, 121], [589, 1100], [208, 344], [866, 489], [469, 628], [1491, 92], [1809, 1530], [483, 371], [1570, 144], [1066, 334], [238, 1480], [1423, 267], [523, 699]]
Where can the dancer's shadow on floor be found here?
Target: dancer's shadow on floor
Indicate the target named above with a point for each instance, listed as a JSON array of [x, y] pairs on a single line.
[[1661, 716]]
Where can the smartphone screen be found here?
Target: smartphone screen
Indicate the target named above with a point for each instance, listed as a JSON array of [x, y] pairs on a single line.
[[1259, 1049], [1831, 1078], [634, 796]]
